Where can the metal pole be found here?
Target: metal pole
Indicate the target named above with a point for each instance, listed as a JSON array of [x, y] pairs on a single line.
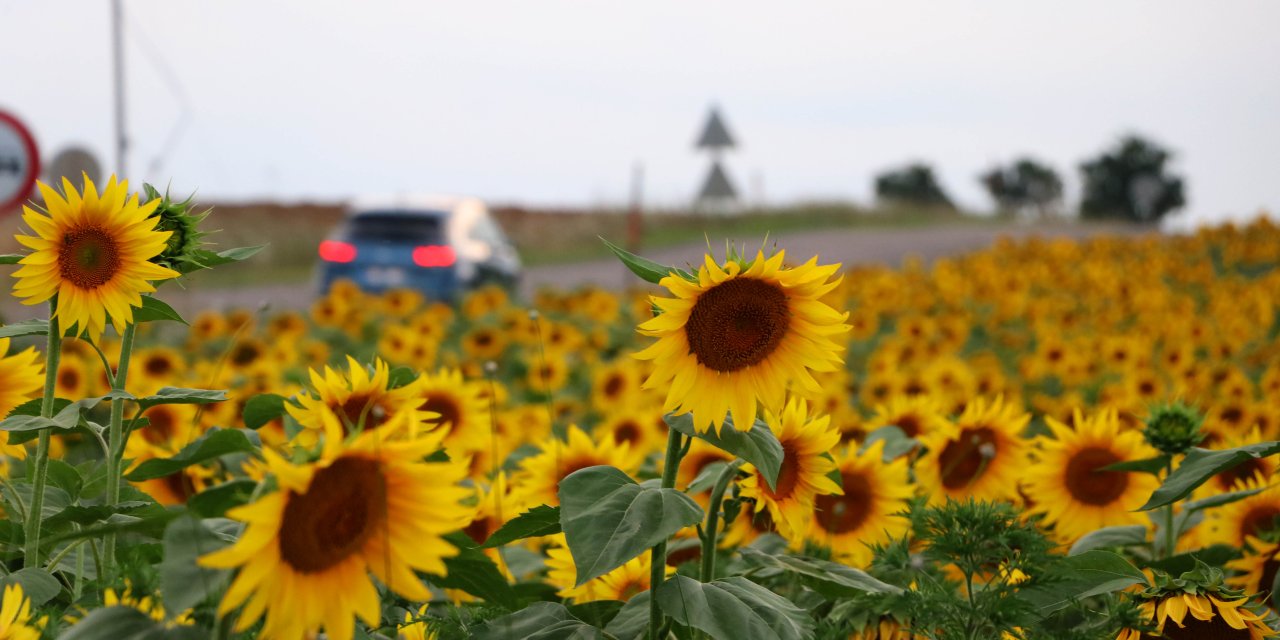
[[117, 63]]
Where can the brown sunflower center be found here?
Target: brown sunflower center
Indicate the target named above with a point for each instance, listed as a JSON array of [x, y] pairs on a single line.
[[910, 425], [245, 353], [1088, 483], [1196, 629], [1247, 469], [89, 257], [444, 405], [737, 323], [362, 409], [158, 365], [964, 460], [788, 474], [180, 485], [613, 386], [842, 514], [162, 425], [1258, 521], [68, 378], [626, 431], [342, 508], [478, 530]]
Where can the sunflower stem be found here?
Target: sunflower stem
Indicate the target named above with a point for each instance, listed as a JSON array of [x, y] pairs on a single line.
[[53, 353], [709, 533], [1170, 536], [658, 555], [115, 444]]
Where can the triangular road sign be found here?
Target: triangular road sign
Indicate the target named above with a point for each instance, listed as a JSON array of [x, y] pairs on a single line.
[[715, 135]]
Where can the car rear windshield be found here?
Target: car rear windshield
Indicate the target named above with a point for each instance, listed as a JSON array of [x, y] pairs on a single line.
[[396, 227]]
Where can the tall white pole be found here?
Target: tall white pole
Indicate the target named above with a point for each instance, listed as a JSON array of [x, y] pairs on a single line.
[[117, 64]]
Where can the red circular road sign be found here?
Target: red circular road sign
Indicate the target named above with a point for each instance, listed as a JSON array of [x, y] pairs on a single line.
[[19, 162]]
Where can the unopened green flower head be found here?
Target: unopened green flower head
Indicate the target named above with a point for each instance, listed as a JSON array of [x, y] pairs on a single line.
[[1173, 428], [176, 216]]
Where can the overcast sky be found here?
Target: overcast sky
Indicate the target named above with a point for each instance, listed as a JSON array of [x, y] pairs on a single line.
[[551, 102]]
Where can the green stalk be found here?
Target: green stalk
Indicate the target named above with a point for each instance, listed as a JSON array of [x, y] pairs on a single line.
[[115, 443], [658, 555], [1170, 536], [713, 520], [53, 353]]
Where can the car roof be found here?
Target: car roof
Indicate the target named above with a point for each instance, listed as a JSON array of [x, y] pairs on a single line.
[[414, 205]]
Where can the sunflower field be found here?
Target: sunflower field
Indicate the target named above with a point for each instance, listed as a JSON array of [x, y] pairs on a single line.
[[1045, 439]]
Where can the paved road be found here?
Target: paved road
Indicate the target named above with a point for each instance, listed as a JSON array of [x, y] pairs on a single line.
[[858, 246]]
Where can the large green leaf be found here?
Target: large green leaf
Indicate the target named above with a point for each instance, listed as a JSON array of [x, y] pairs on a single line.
[[632, 621], [733, 609], [608, 519], [214, 444], [128, 623], [1221, 499], [648, 270], [216, 500], [1081, 576], [263, 408], [831, 579], [1213, 555], [539, 621], [154, 310], [1202, 464], [1121, 536], [25, 328], [541, 520], [183, 582], [757, 445], [473, 572], [37, 584], [1154, 466], [175, 395]]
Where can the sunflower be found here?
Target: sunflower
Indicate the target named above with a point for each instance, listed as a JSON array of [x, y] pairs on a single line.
[[914, 415], [1262, 468], [484, 343], [357, 399], [643, 430], [980, 456], [1067, 482], [887, 628], [74, 380], [208, 325], [739, 335], [156, 367], [147, 604], [614, 385], [1258, 567], [1255, 515], [547, 375], [873, 491], [1233, 619], [93, 252], [414, 628], [368, 506], [15, 616], [806, 445], [538, 479], [463, 412], [622, 583], [21, 377]]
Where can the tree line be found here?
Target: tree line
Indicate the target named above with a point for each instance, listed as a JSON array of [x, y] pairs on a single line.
[[1128, 181]]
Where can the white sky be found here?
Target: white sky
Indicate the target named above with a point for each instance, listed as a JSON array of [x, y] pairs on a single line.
[[551, 102]]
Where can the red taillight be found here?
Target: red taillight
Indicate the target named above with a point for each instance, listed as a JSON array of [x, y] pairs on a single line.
[[334, 251], [434, 256]]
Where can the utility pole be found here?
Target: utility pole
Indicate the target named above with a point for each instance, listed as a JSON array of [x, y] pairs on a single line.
[[117, 64], [635, 214]]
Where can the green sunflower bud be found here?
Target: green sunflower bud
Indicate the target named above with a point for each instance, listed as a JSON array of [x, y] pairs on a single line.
[[176, 216], [1173, 428]]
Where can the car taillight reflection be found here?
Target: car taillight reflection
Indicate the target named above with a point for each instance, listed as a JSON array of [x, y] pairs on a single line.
[[434, 256], [335, 251]]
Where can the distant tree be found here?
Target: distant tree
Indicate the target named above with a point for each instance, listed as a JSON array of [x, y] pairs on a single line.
[[1130, 182], [1024, 186], [913, 184]]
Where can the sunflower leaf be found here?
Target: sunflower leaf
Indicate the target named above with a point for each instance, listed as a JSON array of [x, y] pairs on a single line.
[[541, 520], [261, 409], [473, 572], [1216, 555], [1154, 466], [215, 444], [205, 259], [733, 609], [646, 269], [155, 309], [539, 621], [216, 500], [25, 328], [1202, 464], [831, 579], [1221, 499], [757, 446], [184, 583], [37, 584], [128, 623], [1087, 574], [10, 258], [896, 442], [175, 395], [632, 621], [1120, 536], [608, 519]]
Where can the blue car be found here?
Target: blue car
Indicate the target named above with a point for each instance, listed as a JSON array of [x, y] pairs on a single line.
[[439, 246]]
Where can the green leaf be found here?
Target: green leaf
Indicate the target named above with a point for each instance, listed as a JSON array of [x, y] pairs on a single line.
[[127, 623], [1221, 499], [473, 572], [831, 579], [262, 409], [86, 515], [205, 259], [400, 377], [632, 621], [648, 270], [175, 395], [536, 522], [706, 479], [1122, 536], [757, 446], [1088, 574], [184, 583], [10, 258], [37, 584], [896, 442], [539, 621], [1202, 464], [1214, 555], [596, 613], [214, 444], [65, 477], [608, 519], [1154, 466], [215, 501], [733, 609], [155, 309], [25, 328]]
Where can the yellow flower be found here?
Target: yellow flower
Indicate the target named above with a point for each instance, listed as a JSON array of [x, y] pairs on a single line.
[[807, 442], [21, 377], [371, 506], [539, 477], [622, 583], [15, 616], [93, 252], [1232, 619], [980, 456], [740, 335], [149, 605], [863, 514], [356, 399], [414, 628]]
